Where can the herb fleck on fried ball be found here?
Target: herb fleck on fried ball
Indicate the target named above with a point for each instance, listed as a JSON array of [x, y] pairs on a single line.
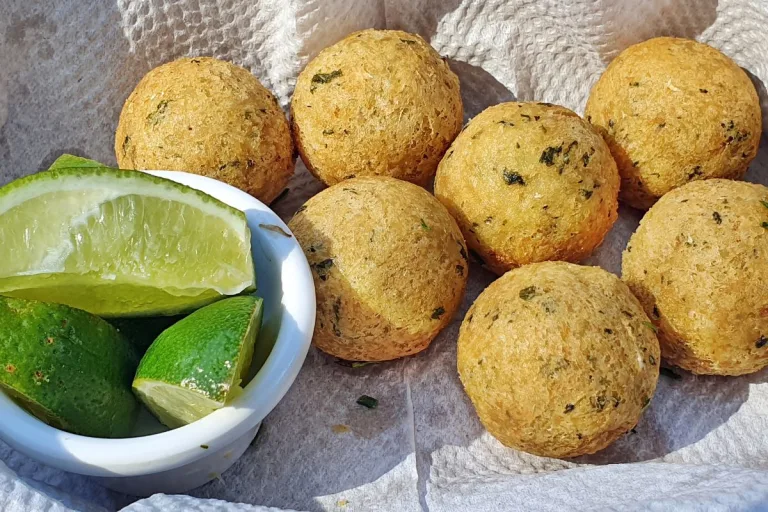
[[208, 117], [389, 263], [673, 111], [529, 182], [379, 102], [699, 265], [559, 360]]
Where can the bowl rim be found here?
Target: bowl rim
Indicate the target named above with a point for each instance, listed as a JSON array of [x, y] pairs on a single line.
[[174, 448]]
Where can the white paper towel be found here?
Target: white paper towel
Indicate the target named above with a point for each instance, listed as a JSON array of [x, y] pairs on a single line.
[[65, 69]]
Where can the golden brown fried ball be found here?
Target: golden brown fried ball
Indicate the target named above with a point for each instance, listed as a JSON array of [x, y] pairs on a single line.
[[559, 360], [673, 111], [208, 117], [377, 103], [389, 263], [699, 265], [529, 182]]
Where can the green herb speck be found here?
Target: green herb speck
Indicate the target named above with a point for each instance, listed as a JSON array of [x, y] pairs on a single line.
[[463, 251], [368, 402], [586, 193], [764, 203], [328, 132], [761, 342], [408, 41], [569, 408], [717, 218], [126, 143], [528, 293], [156, 116], [651, 326], [548, 155], [204, 446], [598, 402], [323, 78], [438, 312], [634, 84], [696, 172], [336, 316], [512, 178], [424, 226], [323, 268], [353, 364]]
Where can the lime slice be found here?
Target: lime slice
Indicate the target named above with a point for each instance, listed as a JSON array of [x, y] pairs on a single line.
[[120, 243], [195, 366], [67, 367]]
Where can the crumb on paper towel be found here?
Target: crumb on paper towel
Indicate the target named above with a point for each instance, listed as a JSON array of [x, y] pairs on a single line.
[[340, 429]]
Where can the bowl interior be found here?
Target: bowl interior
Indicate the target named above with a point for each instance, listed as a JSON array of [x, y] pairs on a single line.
[[284, 282]]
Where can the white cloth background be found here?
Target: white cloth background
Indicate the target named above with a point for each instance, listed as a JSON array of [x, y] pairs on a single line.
[[67, 66]]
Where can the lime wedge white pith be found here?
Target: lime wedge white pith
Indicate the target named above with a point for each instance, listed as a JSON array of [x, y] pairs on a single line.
[[120, 243]]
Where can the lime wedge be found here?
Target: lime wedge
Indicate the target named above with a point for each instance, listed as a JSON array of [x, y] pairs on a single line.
[[67, 161], [120, 243], [195, 366], [67, 367]]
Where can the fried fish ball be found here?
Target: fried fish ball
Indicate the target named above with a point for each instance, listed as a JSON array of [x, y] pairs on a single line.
[[559, 360], [672, 111], [389, 263], [699, 265], [209, 117], [377, 103], [529, 182]]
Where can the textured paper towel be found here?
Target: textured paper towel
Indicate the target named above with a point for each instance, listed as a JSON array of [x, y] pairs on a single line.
[[66, 68]]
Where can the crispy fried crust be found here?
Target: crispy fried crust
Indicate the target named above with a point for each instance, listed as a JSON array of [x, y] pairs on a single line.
[[389, 263], [529, 182], [559, 360], [699, 265], [673, 111], [209, 117]]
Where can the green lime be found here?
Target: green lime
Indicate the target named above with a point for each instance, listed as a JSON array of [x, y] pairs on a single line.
[[67, 161], [69, 368], [120, 243], [195, 366]]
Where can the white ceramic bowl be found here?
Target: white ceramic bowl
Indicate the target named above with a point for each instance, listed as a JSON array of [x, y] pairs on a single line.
[[179, 460]]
